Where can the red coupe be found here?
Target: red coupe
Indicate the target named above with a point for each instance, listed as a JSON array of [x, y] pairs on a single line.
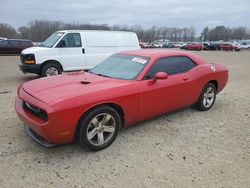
[[229, 47], [194, 46], [124, 89]]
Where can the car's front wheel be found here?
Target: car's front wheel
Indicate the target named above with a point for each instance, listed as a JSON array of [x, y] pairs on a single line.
[[99, 128], [207, 97], [51, 69]]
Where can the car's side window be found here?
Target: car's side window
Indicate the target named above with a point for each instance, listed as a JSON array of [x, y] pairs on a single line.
[[3, 43], [72, 40], [15, 43], [170, 65], [25, 43]]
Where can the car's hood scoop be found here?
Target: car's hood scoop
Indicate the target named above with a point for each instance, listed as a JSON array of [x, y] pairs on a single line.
[[53, 89], [85, 82]]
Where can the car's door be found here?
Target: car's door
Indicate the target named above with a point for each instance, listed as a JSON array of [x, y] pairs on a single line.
[[18, 47], [71, 52], [169, 94], [4, 46]]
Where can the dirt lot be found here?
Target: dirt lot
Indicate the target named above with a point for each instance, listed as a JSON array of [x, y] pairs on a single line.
[[186, 148]]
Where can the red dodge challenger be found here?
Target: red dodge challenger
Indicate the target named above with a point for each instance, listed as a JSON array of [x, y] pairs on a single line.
[[124, 89]]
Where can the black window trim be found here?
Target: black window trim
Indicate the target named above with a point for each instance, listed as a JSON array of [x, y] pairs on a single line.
[[144, 77], [66, 35]]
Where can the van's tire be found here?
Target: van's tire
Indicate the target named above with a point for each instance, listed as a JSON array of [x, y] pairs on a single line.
[[207, 97], [99, 128], [51, 69]]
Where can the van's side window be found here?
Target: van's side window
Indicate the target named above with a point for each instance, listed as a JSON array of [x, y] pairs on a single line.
[[72, 40]]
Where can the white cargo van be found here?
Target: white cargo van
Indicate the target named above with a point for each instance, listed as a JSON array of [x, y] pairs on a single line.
[[72, 50]]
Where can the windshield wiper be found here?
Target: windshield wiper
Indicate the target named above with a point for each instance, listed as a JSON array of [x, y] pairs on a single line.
[[103, 75], [99, 74]]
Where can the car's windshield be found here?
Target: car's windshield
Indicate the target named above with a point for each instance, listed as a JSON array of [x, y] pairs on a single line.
[[121, 66], [50, 42]]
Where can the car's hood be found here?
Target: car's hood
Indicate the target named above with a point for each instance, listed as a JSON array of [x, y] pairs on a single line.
[[35, 49], [57, 88]]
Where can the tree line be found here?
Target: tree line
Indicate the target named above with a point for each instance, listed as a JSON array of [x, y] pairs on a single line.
[[225, 33], [39, 30]]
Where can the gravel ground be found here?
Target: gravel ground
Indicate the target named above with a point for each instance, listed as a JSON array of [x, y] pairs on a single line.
[[186, 148]]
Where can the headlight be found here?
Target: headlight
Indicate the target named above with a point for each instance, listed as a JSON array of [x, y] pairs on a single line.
[[28, 59], [38, 112]]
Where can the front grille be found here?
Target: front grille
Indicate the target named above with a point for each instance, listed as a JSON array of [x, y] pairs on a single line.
[[35, 111]]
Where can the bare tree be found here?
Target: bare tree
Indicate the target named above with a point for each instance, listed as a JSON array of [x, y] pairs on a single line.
[[39, 30], [7, 31]]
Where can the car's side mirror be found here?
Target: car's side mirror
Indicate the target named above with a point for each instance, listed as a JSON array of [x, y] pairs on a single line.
[[161, 76], [62, 44]]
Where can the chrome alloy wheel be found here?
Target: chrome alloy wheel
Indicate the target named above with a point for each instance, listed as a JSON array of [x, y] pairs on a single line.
[[101, 129], [51, 71], [208, 97]]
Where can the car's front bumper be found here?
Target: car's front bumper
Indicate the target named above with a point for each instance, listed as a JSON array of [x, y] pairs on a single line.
[[54, 131], [32, 134], [34, 68]]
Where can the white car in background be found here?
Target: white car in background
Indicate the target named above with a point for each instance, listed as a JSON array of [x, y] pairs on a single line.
[[181, 44], [245, 45], [157, 45], [72, 50], [2, 38]]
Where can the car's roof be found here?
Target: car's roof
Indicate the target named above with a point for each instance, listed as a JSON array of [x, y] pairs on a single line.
[[155, 52], [159, 53], [24, 40]]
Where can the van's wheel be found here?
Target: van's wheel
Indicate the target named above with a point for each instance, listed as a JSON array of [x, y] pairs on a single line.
[[99, 128], [207, 97], [51, 69]]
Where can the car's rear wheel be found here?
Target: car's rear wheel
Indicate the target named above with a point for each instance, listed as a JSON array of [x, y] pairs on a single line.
[[99, 128], [51, 69], [207, 97]]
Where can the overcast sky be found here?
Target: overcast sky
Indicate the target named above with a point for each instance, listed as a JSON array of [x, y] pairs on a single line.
[[170, 13]]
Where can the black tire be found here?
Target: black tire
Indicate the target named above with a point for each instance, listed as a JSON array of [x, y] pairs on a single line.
[[51, 66], [86, 126], [203, 104]]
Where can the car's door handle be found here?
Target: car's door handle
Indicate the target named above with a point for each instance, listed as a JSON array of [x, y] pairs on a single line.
[[83, 51], [185, 78]]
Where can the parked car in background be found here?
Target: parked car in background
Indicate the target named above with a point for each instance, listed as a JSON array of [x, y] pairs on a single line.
[[217, 45], [2, 38], [181, 45], [209, 46], [229, 47], [194, 46], [145, 45], [157, 45], [92, 106], [245, 45], [14, 46], [168, 45], [72, 50], [37, 43]]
